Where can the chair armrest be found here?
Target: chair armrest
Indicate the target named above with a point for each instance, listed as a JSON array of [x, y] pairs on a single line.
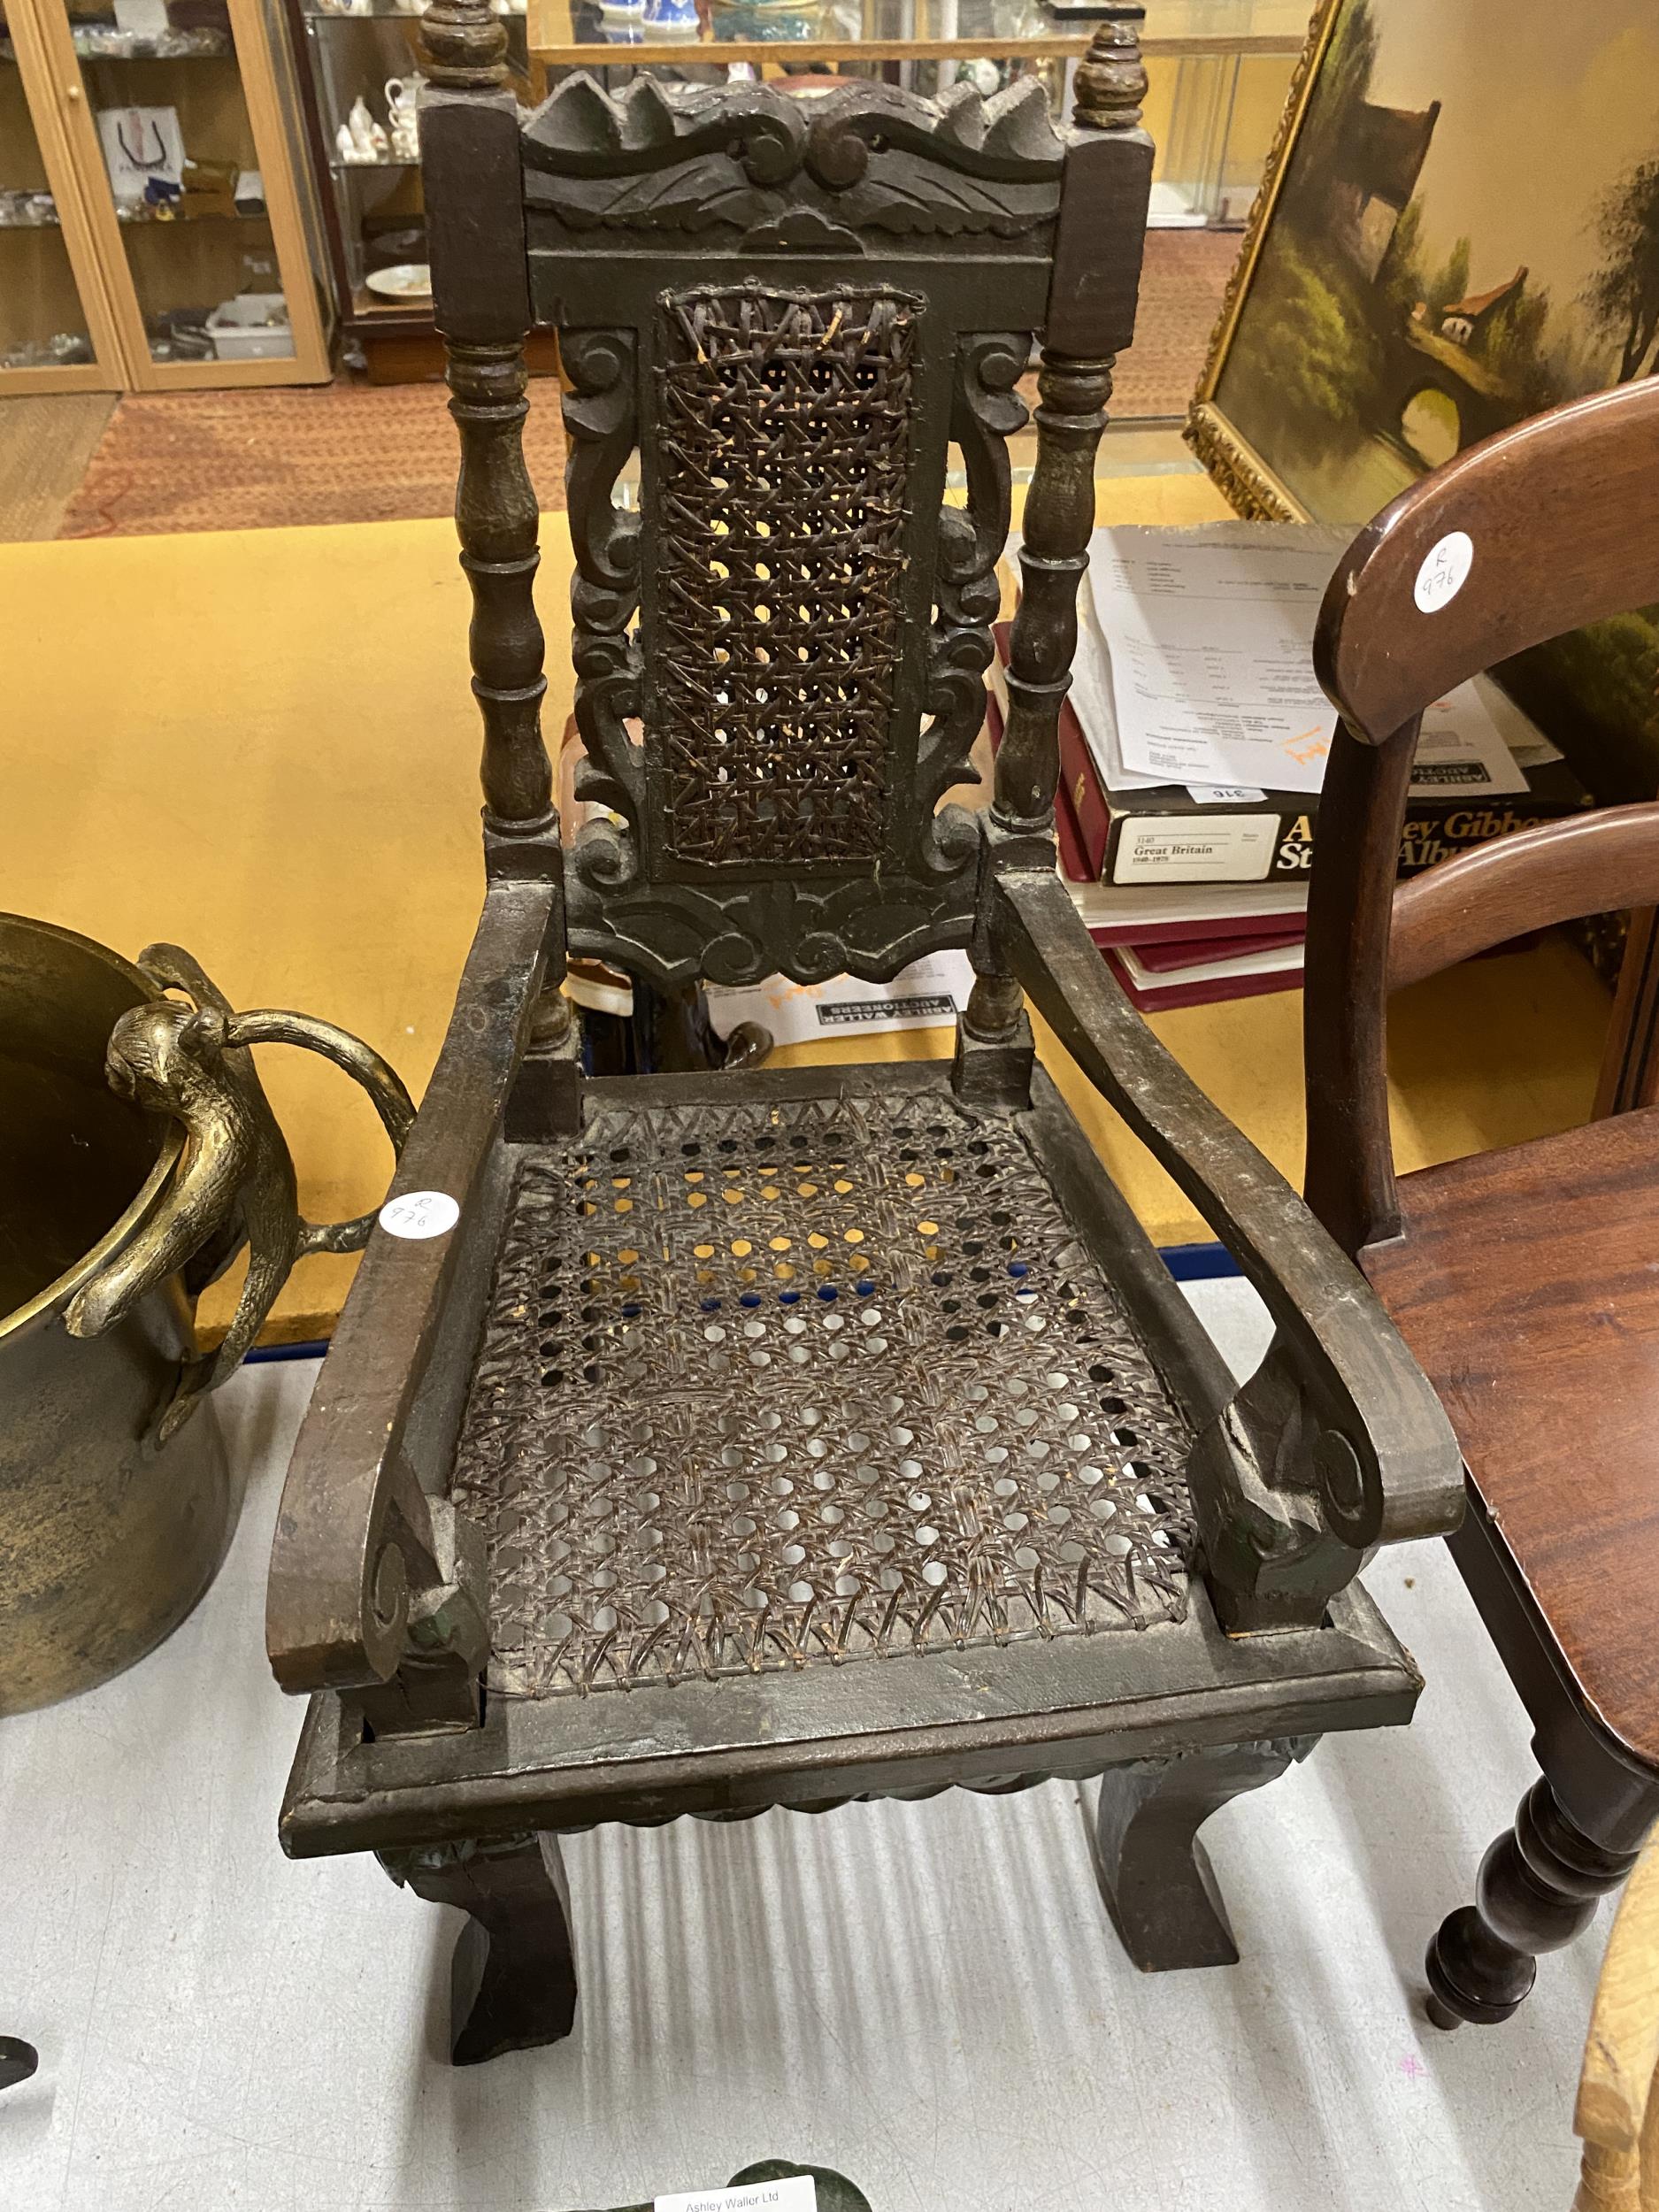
[[1337, 1443], [366, 1570]]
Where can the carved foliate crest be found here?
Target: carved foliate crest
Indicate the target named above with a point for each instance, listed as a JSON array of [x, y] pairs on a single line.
[[750, 164]]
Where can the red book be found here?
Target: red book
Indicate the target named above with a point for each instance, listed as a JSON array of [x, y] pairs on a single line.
[[1181, 915], [1081, 784], [1152, 996], [1167, 953], [1073, 860]]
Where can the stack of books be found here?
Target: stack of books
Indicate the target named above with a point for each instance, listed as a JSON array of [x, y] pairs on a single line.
[[1192, 747]]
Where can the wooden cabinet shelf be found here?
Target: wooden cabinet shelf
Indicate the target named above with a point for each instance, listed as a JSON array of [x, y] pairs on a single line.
[[122, 154]]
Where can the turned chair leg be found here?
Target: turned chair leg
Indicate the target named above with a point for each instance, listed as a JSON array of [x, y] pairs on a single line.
[[1537, 1889], [1154, 1872], [513, 1979]]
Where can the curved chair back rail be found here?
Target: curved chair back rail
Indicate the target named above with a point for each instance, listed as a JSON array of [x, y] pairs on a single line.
[[1394, 635], [1593, 864], [1561, 516]]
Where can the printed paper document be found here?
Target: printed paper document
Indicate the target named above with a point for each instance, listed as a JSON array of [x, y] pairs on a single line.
[[1206, 636]]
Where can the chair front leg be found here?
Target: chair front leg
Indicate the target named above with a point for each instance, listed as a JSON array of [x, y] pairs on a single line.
[[513, 1978], [1153, 1873]]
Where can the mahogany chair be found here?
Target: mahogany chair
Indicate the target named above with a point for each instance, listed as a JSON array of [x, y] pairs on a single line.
[[1526, 1280], [731, 1441]]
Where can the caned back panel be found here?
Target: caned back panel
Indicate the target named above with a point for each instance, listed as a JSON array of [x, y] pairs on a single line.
[[784, 423]]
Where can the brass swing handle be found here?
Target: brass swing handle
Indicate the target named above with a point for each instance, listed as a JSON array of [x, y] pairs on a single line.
[[189, 1058], [271, 1026]]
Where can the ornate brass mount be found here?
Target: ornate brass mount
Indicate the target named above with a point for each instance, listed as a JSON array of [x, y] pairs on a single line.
[[187, 1057]]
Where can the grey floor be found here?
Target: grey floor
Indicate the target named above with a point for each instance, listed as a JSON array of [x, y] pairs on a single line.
[[928, 1997]]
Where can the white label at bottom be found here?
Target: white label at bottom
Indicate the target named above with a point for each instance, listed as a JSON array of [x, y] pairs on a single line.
[[1225, 793], [419, 1213], [1195, 848], [797, 2193]]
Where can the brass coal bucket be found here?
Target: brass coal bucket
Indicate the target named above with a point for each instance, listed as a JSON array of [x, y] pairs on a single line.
[[138, 1155]]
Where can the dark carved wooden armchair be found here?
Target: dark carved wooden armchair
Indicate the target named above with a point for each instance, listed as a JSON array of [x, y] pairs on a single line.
[[764, 1439], [1524, 1280]]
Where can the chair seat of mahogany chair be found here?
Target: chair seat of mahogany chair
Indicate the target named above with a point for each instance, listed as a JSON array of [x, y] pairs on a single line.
[[701, 1444], [1528, 1280]]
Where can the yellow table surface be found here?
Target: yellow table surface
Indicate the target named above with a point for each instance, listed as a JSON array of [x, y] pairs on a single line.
[[261, 745]]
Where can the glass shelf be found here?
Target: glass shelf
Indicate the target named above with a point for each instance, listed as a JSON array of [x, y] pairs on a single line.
[[566, 33], [97, 44], [376, 14], [39, 219], [380, 13], [91, 45], [150, 221]]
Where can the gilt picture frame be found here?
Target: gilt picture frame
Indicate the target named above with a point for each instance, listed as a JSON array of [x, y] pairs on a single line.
[[1458, 227]]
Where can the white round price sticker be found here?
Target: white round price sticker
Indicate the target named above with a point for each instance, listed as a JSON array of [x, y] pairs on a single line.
[[1445, 572], [419, 1213]]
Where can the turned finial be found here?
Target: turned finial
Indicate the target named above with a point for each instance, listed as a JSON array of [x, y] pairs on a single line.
[[1111, 78], [463, 45]]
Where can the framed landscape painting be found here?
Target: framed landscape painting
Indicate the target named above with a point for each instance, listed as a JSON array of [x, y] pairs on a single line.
[[1459, 227]]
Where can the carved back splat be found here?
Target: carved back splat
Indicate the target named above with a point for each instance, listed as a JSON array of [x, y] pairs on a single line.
[[797, 633], [780, 304]]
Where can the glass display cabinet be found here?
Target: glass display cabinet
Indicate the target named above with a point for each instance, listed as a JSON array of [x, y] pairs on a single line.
[[1222, 114], [576, 34], [359, 76], [57, 328], [154, 231]]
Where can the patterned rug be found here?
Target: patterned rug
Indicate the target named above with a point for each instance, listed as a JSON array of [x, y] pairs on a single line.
[[1181, 290], [262, 460], [352, 452]]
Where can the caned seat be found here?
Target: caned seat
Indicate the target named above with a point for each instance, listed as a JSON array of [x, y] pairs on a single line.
[[752, 1438], [771, 1384]]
